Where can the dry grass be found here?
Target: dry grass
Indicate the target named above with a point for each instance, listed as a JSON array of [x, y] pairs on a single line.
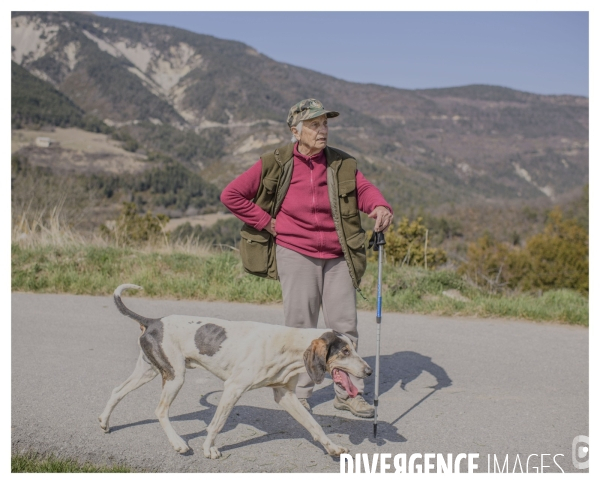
[[48, 256], [36, 229]]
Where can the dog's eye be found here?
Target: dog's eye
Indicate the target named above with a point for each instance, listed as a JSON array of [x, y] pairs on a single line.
[[346, 351]]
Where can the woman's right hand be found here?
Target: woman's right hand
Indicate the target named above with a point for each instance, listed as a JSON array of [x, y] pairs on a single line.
[[271, 228]]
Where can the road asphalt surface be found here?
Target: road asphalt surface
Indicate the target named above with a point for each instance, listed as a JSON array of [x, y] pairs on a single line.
[[447, 385]]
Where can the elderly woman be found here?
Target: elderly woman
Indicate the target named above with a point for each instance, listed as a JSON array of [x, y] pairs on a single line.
[[305, 198]]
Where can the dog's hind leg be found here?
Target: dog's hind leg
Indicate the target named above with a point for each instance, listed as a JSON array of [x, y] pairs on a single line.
[[231, 394], [286, 397], [170, 390], [143, 373]]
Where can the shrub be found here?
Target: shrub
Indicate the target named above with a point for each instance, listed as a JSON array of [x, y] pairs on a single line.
[[559, 256], [405, 244], [131, 145], [488, 263], [134, 229], [95, 125], [129, 142]]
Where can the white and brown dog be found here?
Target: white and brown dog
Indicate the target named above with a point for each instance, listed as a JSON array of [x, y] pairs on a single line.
[[246, 355]]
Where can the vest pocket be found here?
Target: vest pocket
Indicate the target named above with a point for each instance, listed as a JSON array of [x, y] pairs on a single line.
[[254, 249], [348, 204], [358, 253], [357, 241]]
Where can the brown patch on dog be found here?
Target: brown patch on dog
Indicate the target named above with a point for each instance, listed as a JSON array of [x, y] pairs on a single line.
[[151, 344], [319, 353], [209, 338], [315, 360]]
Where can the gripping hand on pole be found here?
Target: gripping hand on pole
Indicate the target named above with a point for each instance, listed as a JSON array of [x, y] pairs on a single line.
[[383, 218]]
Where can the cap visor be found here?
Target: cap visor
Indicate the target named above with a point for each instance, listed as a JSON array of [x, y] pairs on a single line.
[[321, 112]]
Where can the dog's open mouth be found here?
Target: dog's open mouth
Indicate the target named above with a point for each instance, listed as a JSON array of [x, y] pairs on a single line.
[[341, 378]]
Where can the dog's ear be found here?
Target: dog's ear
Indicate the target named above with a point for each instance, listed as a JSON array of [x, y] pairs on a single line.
[[315, 360], [315, 357]]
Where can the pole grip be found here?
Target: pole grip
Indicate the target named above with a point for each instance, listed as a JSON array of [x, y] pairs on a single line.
[[377, 240]]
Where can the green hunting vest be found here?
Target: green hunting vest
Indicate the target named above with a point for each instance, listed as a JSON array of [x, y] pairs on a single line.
[[257, 247]]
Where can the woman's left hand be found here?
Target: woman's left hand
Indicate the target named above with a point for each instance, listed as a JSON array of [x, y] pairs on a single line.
[[383, 218]]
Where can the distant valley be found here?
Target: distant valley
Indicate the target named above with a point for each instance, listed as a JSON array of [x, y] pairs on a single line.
[[214, 106]]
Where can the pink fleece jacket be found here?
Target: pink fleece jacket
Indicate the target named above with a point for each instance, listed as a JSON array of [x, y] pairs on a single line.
[[304, 223]]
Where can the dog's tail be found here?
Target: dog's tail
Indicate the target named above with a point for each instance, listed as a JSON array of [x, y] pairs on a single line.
[[126, 311]]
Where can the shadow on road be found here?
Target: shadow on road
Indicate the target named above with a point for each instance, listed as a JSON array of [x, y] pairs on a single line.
[[273, 424], [403, 367]]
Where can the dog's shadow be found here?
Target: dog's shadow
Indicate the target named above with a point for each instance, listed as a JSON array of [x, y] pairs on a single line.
[[403, 367]]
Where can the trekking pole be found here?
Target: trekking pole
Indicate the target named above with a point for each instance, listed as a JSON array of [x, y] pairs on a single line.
[[378, 241]]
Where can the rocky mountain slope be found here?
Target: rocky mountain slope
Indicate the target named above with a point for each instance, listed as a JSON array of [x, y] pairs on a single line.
[[217, 104]]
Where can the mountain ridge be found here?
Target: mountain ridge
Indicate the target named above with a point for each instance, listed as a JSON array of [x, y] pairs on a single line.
[[423, 147]]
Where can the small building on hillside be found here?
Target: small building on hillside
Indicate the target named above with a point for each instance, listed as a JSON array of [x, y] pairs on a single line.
[[44, 142]]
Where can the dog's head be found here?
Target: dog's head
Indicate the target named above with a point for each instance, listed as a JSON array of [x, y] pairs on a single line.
[[335, 353]]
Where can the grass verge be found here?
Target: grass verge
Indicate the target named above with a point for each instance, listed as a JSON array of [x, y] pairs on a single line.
[[98, 270], [32, 462]]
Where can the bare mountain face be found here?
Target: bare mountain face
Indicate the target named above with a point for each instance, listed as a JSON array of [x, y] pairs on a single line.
[[421, 147]]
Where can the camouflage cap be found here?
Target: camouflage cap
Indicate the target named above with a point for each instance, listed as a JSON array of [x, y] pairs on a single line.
[[307, 109]]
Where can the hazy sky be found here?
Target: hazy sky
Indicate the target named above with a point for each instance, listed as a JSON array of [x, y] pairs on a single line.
[[541, 52]]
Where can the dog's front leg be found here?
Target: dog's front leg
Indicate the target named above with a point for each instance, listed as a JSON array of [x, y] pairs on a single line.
[[231, 394], [286, 397]]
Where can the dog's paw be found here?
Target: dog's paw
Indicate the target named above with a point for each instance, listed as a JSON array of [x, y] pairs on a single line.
[[212, 453], [104, 425], [181, 447], [336, 450]]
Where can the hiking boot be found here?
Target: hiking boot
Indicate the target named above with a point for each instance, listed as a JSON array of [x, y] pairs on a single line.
[[357, 405], [305, 404]]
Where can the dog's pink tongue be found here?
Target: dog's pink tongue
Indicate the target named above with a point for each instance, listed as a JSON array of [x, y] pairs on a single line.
[[341, 378]]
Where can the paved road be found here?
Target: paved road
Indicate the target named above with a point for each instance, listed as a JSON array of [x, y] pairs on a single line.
[[448, 385]]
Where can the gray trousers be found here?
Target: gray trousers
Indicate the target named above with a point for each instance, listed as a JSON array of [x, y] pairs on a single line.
[[308, 283]]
